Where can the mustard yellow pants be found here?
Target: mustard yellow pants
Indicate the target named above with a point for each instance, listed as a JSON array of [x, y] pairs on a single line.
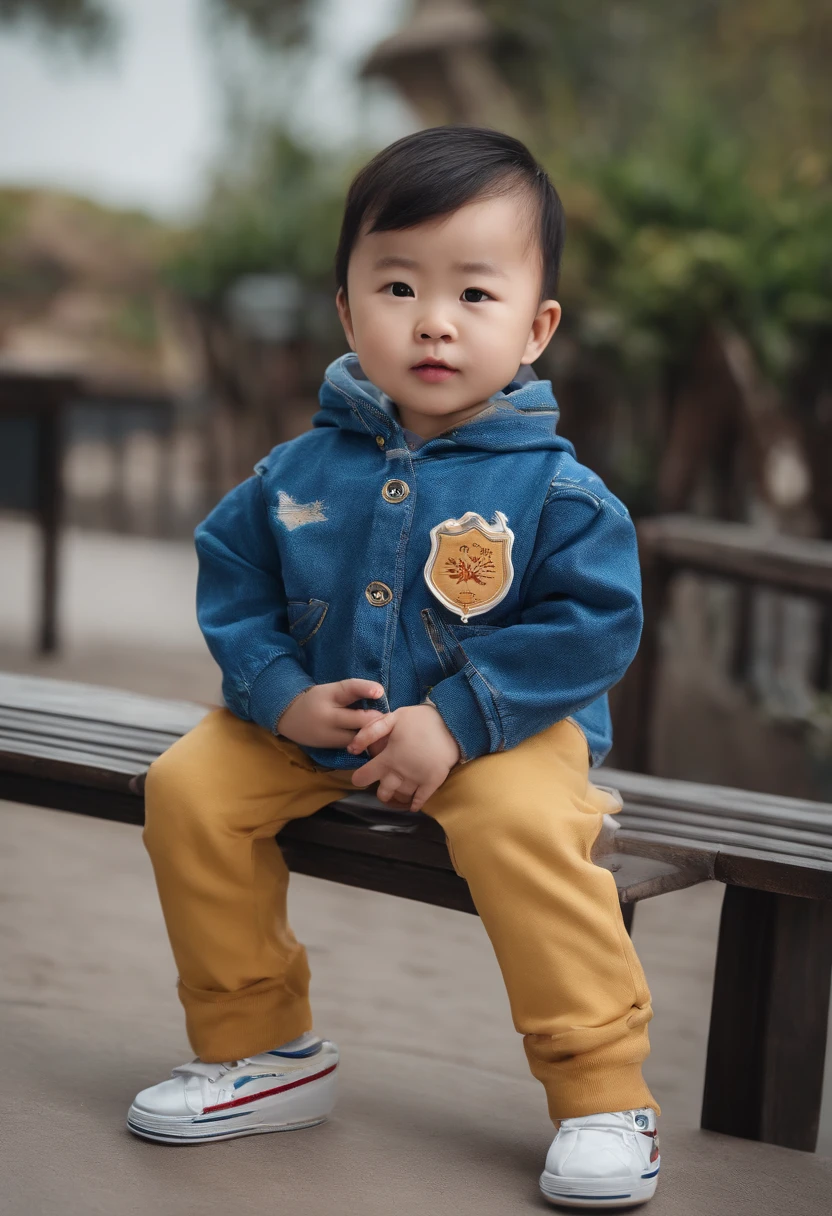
[[520, 825]]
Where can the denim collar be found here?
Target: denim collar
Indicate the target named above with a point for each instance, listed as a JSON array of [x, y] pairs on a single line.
[[524, 414]]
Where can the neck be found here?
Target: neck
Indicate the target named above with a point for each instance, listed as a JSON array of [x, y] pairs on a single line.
[[428, 426]]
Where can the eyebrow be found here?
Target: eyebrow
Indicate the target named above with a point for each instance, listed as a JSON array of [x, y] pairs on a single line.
[[392, 260]]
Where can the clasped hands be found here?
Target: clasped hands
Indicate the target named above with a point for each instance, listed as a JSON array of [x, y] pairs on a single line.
[[412, 749]]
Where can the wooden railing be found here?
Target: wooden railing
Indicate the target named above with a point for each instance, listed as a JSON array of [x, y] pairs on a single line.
[[747, 556]]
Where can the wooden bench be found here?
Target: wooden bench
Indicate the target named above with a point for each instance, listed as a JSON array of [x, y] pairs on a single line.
[[83, 749]]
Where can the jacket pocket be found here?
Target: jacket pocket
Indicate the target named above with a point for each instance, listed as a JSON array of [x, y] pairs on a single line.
[[439, 641], [461, 632], [447, 640], [305, 618]]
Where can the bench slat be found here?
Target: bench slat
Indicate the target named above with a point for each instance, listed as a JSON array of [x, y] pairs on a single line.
[[638, 788], [23, 742], [53, 726], [675, 823], [95, 704]]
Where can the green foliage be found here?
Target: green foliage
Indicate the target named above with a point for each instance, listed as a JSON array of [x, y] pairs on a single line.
[[279, 23], [87, 23], [285, 218], [681, 236]]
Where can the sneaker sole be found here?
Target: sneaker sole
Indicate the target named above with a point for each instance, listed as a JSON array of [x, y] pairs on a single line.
[[599, 1193], [205, 1138], [295, 1108]]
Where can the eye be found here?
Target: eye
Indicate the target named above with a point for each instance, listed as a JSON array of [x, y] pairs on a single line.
[[400, 289], [475, 291]]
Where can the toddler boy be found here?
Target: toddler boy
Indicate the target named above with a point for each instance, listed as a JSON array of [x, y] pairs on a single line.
[[425, 591]]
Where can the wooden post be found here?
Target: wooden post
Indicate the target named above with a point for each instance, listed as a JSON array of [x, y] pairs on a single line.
[[635, 699], [767, 1043], [49, 510]]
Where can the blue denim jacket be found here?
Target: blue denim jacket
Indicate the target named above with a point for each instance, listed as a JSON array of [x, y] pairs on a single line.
[[314, 570]]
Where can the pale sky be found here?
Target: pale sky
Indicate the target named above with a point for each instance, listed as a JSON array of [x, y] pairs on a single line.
[[141, 128]]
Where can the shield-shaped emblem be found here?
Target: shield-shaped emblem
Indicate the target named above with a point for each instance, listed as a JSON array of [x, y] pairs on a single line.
[[469, 568]]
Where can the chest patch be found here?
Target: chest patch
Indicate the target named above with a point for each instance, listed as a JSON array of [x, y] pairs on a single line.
[[294, 514], [469, 569]]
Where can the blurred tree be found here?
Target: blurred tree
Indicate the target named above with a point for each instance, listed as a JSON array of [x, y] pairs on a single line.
[[265, 242], [283, 24], [684, 275], [89, 24], [605, 70], [283, 215]]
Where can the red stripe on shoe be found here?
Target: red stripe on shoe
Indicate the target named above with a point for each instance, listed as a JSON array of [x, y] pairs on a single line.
[[269, 1093]]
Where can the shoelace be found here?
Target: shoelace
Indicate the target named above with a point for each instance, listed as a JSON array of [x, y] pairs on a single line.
[[213, 1072], [198, 1068]]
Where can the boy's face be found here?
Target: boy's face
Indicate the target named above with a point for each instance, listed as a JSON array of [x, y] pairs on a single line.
[[463, 289]]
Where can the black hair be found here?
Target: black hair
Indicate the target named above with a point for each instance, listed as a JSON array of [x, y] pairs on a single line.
[[438, 170]]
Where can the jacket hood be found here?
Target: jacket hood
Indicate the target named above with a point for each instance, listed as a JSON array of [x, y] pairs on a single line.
[[522, 415]]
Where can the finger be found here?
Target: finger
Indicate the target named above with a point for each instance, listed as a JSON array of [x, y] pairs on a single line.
[[354, 719], [406, 789], [340, 739], [372, 733], [402, 799], [420, 797], [388, 787], [347, 691], [372, 771]]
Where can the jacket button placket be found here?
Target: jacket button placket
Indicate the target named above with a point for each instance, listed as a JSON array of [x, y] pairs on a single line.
[[378, 593], [388, 539], [395, 490]]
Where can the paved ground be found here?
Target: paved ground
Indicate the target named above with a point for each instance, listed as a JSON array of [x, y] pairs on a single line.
[[437, 1112]]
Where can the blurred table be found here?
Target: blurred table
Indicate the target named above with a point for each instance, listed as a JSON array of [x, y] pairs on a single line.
[[32, 406]]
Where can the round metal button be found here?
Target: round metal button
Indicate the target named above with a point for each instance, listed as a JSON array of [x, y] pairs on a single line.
[[378, 594], [395, 490], [380, 441]]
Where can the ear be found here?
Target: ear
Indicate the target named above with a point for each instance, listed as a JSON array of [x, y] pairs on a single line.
[[543, 327], [342, 304]]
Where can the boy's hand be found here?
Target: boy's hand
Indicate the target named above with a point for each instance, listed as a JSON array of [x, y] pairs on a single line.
[[319, 717], [419, 751]]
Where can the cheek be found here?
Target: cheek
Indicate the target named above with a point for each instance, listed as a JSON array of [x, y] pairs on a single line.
[[376, 324], [497, 330]]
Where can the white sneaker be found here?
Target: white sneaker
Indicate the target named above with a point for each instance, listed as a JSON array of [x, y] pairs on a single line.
[[603, 1161], [290, 1087]]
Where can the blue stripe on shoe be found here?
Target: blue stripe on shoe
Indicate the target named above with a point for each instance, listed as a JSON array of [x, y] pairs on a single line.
[[297, 1055], [172, 1135], [260, 1076], [653, 1175]]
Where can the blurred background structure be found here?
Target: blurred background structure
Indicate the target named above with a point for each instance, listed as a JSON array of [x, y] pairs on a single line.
[[172, 174], [171, 179]]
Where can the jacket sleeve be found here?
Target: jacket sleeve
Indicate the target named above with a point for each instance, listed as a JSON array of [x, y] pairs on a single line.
[[241, 608], [579, 630]]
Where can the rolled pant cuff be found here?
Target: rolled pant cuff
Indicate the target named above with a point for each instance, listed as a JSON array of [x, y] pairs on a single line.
[[231, 1025], [590, 1084]]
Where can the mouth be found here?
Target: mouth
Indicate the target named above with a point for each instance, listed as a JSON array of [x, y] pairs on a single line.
[[433, 370]]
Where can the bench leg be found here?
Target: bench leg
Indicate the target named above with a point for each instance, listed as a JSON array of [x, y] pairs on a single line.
[[628, 911], [767, 1043]]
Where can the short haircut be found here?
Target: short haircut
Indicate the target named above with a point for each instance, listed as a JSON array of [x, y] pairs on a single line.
[[436, 171]]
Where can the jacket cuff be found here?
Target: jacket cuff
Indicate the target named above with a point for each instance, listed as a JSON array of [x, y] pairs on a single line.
[[275, 689], [467, 707]]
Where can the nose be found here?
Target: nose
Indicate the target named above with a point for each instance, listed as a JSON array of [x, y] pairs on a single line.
[[434, 327]]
